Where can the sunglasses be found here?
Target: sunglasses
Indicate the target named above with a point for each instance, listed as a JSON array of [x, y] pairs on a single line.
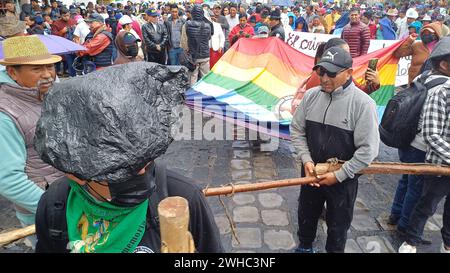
[[321, 72]]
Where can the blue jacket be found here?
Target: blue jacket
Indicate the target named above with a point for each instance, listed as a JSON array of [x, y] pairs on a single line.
[[386, 29]]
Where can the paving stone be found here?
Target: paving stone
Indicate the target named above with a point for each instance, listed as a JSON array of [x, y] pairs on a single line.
[[240, 144], [270, 200], [438, 220], [248, 238], [241, 175], [287, 173], [363, 222], [271, 146], [360, 205], [274, 217], [223, 224], [382, 220], [352, 247], [276, 240], [237, 164], [243, 199], [245, 214], [241, 153], [264, 173], [429, 226], [375, 244], [263, 161]]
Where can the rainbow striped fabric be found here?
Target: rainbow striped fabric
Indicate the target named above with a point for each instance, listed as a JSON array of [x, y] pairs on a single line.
[[254, 82]]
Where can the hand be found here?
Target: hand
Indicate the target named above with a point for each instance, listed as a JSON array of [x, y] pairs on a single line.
[[413, 36], [64, 30], [372, 76], [327, 179], [220, 50], [158, 47], [309, 172], [294, 104]]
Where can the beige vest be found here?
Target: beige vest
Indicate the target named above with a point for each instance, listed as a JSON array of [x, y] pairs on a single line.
[[24, 108]]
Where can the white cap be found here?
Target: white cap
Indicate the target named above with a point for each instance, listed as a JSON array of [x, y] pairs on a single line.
[[426, 18], [125, 20], [412, 13]]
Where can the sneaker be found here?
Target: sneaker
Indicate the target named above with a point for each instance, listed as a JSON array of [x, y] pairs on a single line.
[[393, 220], [444, 249], [402, 233], [304, 250], [407, 248]]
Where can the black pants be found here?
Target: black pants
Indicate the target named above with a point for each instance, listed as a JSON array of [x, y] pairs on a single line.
[[434, 189], [157, 57], [340, 199]]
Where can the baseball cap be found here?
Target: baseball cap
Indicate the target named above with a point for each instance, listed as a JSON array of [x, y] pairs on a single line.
[[335, 59], [95, 17], [125, 20], [262, 30], [151, 12]]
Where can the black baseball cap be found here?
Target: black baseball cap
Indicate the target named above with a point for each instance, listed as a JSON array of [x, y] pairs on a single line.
[[335, 59]]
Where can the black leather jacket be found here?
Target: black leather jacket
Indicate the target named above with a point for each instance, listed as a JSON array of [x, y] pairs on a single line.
[[154, 37]]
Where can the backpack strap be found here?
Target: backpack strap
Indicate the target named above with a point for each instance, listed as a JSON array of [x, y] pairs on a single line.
[[159, 194], [436, 82], [57, 195]]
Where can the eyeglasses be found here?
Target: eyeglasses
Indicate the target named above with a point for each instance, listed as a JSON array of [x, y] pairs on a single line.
[[321, 72]]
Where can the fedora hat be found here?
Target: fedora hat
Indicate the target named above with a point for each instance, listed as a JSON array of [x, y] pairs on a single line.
[[26, 50], [10, 26]]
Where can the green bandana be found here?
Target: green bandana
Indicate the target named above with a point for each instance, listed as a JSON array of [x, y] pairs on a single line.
[[102, 227]]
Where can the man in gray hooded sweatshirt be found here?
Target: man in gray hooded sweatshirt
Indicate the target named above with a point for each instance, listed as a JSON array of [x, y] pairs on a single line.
[[333, 120]]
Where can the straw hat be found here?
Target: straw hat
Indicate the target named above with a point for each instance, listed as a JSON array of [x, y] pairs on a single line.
[[25, 50], [392, 12]]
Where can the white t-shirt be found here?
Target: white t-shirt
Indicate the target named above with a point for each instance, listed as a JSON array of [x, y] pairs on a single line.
[[81, 30], [232, 22]]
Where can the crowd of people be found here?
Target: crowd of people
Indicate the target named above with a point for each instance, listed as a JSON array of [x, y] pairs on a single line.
[[163, 32], [336, 109]]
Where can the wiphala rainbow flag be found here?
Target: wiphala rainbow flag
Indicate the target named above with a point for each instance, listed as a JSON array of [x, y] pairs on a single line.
[[254, 82]]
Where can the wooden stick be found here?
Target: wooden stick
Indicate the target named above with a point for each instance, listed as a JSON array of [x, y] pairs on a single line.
[[174, 220], [11, 236], [389, 168], [258, 186], [321, 168]]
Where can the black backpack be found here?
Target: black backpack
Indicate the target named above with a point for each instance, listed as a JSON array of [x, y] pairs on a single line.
[[57, 198], [399, 124]]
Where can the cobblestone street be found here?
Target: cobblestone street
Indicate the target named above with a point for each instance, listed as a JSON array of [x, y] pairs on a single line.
[[266, 221]]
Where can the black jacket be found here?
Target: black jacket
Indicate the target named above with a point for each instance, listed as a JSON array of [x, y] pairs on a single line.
[[198, 32], [51, 224], [277, 31], [154, 37]]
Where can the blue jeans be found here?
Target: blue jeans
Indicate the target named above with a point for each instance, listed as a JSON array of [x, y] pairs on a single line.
[[69, 60], [409, 187], [435, 189], [174, 56]]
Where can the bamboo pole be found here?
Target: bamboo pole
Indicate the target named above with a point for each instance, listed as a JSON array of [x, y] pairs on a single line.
[[174, 220], [258, 186], [389, 168], [11, 236]]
